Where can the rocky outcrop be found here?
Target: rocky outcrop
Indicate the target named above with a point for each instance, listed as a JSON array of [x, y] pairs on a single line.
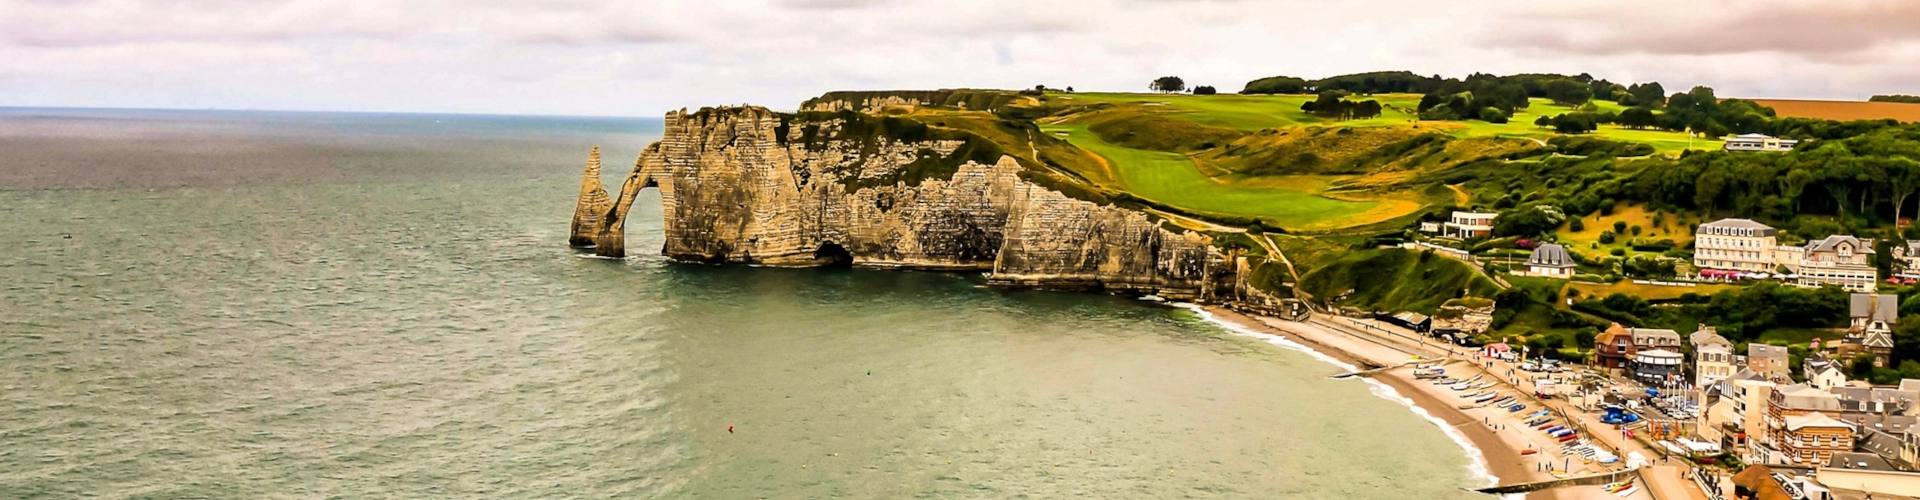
[[592, 205], [747, 185]]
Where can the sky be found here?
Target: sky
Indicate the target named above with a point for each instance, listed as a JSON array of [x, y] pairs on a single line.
[[642, 58]]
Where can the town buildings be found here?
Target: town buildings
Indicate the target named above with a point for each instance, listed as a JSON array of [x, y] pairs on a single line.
[[1550, 260], [1870, 328], [1743, 419], [1813, 438], [1613, 347], [1465, 225], [1822, 373], [1839, 260], [1790, 424], [1758, 143], [1739, 245], [1909, 259], [1770, 361], [1657, 367], [1712, 357], [1618, 345]]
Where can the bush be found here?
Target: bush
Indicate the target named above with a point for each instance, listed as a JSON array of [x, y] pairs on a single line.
[[1619, 226], [1617, 252], [1607, 237], [1577, 226], [1636, 230]]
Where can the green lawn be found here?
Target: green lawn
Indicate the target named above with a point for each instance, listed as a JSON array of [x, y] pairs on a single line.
[[1172, 179], [1252, 112], [1257, 112]]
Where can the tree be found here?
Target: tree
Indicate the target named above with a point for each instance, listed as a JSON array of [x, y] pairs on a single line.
[[1638, 117], [1204, 90], [1648, 94], [1574, 123], [1707, 189], [1168, 84], [1567, 91], [1493, 115]]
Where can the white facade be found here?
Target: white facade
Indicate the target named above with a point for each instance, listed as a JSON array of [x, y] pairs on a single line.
[[1552, 261], [1735, 245], [1839, 260], [1758, 142], [1713, 359], [1465, 225]]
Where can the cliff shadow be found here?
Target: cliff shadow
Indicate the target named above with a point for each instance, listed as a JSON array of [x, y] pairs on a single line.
[[831, 254]]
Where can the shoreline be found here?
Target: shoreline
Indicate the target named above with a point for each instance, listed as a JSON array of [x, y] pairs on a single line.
[[1494, 455]]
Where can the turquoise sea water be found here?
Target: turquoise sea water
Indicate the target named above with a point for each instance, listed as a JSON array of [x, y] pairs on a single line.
[[294, 305]]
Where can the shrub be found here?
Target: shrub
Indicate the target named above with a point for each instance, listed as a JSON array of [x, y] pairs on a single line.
[[1577, 226], [1618, 252], [1607, 237], [1619, 226], [1636, 230]]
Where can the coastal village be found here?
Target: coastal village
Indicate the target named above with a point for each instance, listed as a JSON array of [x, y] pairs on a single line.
[[1694, 414]]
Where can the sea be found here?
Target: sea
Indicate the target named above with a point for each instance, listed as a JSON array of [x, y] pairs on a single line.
[[247, 304]]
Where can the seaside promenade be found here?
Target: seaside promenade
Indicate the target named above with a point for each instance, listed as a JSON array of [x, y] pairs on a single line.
[[1499, 434], [1666, 479]]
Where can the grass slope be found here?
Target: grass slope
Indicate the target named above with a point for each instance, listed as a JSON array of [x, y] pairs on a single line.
[[1395, 279], [1174, 180], [1587, 241]]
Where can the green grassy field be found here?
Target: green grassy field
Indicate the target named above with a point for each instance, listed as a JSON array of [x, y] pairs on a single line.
[[1257, 112], [1172, 178], [1251, 112]]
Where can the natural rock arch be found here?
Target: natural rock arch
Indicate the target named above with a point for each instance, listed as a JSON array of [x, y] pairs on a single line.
[[600, 221]]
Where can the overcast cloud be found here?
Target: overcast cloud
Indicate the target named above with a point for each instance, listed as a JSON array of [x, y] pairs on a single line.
[[642, 58]]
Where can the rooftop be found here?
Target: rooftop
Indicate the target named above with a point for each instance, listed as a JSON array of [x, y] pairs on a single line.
[[1815, 420], [1737, 223], [1857, 460], [1550, 255], [1827, 244], [1707, 335], [1876, 307]]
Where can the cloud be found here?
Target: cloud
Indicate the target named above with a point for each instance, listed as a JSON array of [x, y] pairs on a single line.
[[641, 58], [1808, 29], [830, 4]]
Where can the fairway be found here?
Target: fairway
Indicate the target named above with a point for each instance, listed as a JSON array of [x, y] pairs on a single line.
[[1172, 179], [1258, 112]]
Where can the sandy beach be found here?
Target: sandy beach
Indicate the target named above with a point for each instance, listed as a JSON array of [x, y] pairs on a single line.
[[1499, 435]]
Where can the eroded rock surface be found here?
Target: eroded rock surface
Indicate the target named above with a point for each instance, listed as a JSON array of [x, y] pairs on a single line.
[[593, 204], [735, 191]]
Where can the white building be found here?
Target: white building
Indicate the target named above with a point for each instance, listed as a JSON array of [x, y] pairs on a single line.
[[1712, 357], [1823, 373], [1735, 245], [1839, 260], [1550, 260], [1909, 257], [1758, 142], [1466, 225]]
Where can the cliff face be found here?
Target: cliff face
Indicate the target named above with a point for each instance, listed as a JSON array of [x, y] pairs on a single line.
[[747, 185]]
